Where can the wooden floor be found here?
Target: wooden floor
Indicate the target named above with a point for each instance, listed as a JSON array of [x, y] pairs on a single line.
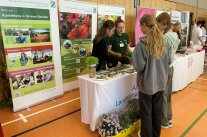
[[62, 117]]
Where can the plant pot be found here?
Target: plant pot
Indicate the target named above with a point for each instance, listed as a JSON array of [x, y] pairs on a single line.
[[92, 71], [128, 131]]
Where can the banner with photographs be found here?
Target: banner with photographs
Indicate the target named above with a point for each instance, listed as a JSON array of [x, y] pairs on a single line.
[[106, 12], [183, 18], [140, 12], [29, 43], [77, 29]]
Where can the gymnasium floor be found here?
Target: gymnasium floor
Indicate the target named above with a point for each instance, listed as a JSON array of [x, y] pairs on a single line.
[[62, 117]]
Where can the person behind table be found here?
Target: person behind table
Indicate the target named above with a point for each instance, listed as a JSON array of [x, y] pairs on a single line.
[[197, 34], [177, 28], [203, 31], [171, 41], [21, 38], [101, 43], [18, 83], [119, 47], [23, 59], [28, 79], [151, 60]]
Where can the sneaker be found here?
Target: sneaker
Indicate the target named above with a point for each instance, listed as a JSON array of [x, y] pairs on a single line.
[[165, 125], [170, 123], [139, 133]]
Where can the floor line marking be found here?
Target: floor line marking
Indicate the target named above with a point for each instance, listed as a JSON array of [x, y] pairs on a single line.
[[4, 124], [193, 124], [52, 107], [26, 131], [23, 118], [69, 101]]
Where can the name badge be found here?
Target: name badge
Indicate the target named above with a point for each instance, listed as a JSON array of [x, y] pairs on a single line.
[[121, 45]]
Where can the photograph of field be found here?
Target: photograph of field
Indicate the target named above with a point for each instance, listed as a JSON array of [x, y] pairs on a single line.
[[39, 35]]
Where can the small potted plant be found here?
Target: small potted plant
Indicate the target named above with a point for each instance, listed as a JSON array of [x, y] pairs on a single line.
[[91, 62]]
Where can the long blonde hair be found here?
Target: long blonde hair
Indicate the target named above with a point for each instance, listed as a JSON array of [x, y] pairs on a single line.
[[155, 39]]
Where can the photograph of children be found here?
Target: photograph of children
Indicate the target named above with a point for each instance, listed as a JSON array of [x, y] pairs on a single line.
[[29, 79], [39, 35], [16, 35], [23, 80], [17, 82], [38, 76], [48, 75], [75, 26], [19, 59], [42, 56]]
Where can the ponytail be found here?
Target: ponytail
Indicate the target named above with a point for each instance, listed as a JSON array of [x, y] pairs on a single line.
[[155, 43], [155, 39]]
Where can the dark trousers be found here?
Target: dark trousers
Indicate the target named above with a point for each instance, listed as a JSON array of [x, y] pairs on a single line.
[[113, 61], [151, 114]]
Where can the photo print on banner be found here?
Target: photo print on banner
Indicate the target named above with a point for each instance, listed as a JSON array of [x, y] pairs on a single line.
[[28, 48], [78, 21]]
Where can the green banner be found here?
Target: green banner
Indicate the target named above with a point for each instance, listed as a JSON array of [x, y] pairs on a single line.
[[24, 13]]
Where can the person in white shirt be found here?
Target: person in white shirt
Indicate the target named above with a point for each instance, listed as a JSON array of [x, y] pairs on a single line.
[[197, 35], [203, 31]]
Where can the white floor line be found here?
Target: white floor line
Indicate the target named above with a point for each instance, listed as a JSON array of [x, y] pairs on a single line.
[[23, 118], [4, 124], [69, 101]]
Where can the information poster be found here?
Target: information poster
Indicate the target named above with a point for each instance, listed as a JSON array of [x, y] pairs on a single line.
[[109, 13], [78, 25], [140, 13], [29, 36]]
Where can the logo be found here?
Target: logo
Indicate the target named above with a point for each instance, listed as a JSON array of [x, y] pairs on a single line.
[[123, 12], [17, 94], [94, 10], [52, 4]]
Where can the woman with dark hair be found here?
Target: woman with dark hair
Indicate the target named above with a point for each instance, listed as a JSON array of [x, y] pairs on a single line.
[[101, 43], [171, 41], [119, 47], [23, 59]]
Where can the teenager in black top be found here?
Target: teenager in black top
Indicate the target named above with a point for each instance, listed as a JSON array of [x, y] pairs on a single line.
[[101, 42]]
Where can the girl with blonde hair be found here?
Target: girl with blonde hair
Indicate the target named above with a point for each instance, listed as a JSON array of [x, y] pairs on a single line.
[[151, 60]]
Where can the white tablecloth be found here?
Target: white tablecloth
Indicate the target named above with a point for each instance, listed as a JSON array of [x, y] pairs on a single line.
[[100, 97], [187, 69]]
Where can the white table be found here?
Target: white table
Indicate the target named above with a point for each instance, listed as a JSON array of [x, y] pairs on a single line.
[[187, 69], [100, 97]]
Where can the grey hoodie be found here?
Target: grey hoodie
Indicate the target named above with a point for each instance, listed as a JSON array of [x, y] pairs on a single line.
[[152, 73], [172, 41]]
